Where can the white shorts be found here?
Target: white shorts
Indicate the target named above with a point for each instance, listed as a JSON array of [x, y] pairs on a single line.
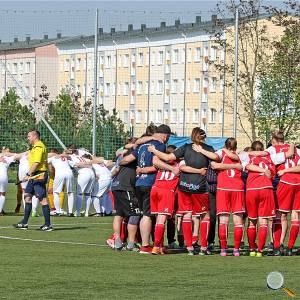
[[85, 181], [21, 175], [100, 187], [61, 180], [3, 183]]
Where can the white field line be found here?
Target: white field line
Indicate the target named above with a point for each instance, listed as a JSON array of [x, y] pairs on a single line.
[[49, 241]]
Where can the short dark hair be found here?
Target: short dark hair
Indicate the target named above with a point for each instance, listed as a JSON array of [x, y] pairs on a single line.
[[36, 132], [278, 136], [257, 146], [150, 130], [54, 150], [231, 144]]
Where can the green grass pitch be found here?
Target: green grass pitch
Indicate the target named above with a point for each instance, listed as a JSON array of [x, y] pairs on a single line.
[[32, 268]]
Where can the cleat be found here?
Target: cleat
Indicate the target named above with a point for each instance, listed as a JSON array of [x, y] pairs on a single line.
[[196, 247], [242, 245], [111, 241], [21, 226], [288, 252], [174, 246], [70, 215], [156, 251], [132, 247], [252, 253], [282, 250], [204, 252], [98, 215], [211, 247], [298, 251], [191, 252], [146, 249], [118, 244], [236, 252], [223, 252], [46, 228], [277, 252], [259, 254]]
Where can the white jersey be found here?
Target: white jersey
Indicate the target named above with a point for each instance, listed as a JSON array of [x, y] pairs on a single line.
[[101, 172], [60, 164], [82, 152], [5, 161]]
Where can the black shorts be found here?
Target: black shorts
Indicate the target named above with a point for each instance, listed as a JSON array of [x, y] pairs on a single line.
[[126, 204], [143, 196], [37, 187]]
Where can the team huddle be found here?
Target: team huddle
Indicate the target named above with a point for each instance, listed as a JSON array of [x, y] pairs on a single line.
[[191, 190], [201, 186]]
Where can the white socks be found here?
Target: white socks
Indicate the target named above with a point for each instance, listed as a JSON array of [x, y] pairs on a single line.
[[88, 200], [35, 203], [96, 203], [56, 202], [70, 202], [2, 202]]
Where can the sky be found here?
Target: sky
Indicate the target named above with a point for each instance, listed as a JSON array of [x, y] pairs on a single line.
[[77, 17]]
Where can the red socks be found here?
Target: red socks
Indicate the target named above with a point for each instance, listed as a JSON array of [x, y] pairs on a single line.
[[204, 230], [276, 232], [251, 232], [223, 228], [262, 236], [237, 235], [293, 233], [187, 231], [159, 235]]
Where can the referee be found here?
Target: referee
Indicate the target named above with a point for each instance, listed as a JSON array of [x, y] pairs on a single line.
[[37, 177]]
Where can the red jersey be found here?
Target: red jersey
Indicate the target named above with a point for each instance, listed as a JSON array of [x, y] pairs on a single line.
[[288, 178], [167, 179], [229, 179], [258, 181]]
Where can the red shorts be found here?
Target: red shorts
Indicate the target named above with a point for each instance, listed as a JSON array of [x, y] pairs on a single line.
[[195, 203], [260, 203], [233, 201], [162, 201], [288, 197]]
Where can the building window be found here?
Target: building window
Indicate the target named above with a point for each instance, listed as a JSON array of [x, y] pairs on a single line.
[[27, 67], [108, 61], [160, 57], [159, 87], [168, 57], [21, 67], [221, 83], [33, 92], [140, 87], [15, 68], [221, 116], [188, 86], [125, 116], [213, 115], [66, 65], [78, 63], [195, 115], [152, 87], [205, 51], [213, 85], [126, 89], [222, 54], [197, 54], [141, 59], [27, 90], [159, 116], [138, 116], [173, 115], [168, 69], [107, 89], [125, 60], [175, 58], [197, 85], [166, 115], [153, 58], [146, 116], [187, 116], [189, 55], [174, 86], [181, 116], [213, 53]]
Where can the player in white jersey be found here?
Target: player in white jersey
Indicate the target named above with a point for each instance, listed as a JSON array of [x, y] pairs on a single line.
[[22, 171], [85, 179], [63, 178], [101, 200], [5, 161]]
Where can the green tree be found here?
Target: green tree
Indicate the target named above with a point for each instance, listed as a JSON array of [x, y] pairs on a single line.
[[15, 121], [278, 106]]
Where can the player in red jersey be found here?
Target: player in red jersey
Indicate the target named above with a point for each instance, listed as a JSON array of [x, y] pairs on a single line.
[[162, 197], [288, 195], [230, 195], [260, 200]]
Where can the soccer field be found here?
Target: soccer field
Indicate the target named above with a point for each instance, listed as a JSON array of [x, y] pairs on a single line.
[[74, 262]]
